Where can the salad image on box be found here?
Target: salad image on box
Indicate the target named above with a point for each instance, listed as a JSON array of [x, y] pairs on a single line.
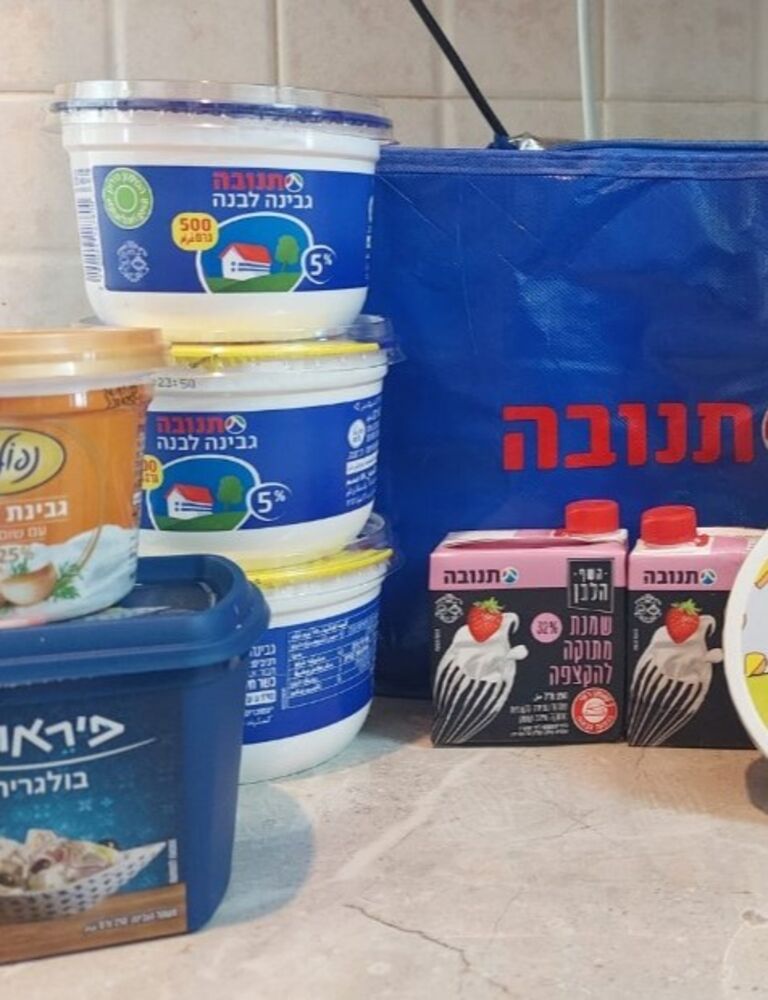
[[50, 876], [679, 580], [528, 639]]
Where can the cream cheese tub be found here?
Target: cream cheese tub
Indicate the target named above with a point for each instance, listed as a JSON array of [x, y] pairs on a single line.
[[206, 206], [264, 453], [310, 677], [72, 413]]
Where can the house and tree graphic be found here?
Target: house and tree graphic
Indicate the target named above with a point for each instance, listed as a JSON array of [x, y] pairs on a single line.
[[257, 253], [202, 494]]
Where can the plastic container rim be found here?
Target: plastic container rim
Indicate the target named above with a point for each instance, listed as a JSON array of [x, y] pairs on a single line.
[[242, 102]]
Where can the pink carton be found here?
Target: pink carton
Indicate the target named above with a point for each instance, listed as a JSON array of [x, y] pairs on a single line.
[[528, 637], [680, 577]]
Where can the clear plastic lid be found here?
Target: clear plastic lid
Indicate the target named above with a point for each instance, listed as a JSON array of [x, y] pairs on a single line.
[[79, 352], [219, 103], [366, 343], [373, 549]]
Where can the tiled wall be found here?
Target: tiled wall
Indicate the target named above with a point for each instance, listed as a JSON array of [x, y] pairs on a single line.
[[680, 68]]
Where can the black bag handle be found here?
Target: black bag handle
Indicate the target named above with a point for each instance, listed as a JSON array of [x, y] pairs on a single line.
[[501, 137]]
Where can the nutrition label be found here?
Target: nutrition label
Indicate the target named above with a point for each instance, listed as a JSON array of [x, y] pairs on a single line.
[[303, 677], [545, 717]]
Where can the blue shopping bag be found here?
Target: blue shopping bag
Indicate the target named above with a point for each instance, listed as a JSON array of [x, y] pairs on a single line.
[[584, 321]]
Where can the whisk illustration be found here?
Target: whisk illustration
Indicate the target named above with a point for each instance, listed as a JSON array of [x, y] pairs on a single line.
[[473, 681], [670, 684]]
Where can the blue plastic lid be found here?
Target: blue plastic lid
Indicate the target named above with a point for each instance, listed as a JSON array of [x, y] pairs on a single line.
[[185, 611], [289, 105]]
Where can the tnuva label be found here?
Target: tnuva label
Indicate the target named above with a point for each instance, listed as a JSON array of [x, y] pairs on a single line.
[[223, 230], [232, 471]]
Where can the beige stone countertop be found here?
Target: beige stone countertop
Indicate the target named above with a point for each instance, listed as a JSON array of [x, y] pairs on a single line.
[[399, 871]]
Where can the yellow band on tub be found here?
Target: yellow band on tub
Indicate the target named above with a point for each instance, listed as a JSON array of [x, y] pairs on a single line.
[[202, 354], [323, 569]]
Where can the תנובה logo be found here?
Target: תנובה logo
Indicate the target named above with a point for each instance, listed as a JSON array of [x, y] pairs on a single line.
[[236, 423]]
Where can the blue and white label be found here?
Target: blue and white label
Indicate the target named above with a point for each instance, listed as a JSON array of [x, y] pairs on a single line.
[[91, 816], [305, 677], [223, 230], [245, 470]]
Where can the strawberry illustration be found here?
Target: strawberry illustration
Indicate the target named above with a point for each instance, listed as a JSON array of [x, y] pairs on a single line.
[[484, 619], [682, 620]]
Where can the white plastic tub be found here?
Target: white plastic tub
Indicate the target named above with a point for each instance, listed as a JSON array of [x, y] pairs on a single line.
[[205, 207], [310, 679], [266, 454]]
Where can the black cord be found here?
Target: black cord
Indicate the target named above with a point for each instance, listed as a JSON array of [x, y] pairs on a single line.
[[501, 136]]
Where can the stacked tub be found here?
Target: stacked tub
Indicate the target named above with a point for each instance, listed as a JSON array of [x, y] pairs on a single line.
[[237, 219]]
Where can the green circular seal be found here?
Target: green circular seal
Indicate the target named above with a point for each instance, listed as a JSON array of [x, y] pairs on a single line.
[[127, 198]]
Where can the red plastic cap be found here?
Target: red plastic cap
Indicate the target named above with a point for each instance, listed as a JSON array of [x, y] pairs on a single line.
[[592, 517], [668, 525]]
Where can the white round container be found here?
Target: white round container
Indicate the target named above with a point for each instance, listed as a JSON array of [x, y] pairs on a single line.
[[310, 679], [745, 644], [205, 206], [266, 454]]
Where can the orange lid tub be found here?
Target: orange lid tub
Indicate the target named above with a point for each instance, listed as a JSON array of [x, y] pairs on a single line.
[[73, 406]]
